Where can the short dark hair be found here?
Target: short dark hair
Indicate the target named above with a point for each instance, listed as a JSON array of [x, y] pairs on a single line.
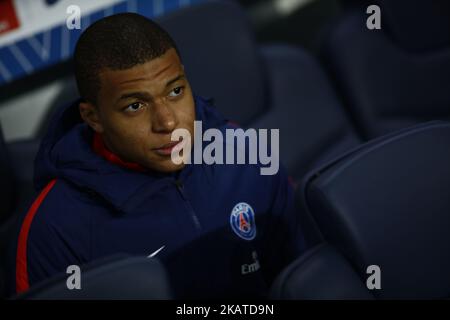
[[117, 42]]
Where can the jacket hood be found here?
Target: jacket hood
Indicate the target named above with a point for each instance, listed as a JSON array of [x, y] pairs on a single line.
[[66, 153]]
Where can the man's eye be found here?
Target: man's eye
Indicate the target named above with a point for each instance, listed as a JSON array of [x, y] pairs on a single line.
[[134, 107], [176, 92]]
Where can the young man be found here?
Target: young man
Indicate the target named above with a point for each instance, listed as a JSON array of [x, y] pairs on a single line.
[[109, 184]]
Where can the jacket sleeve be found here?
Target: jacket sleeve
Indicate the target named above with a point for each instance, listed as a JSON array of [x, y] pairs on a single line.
[[51, 238], [284, 239]]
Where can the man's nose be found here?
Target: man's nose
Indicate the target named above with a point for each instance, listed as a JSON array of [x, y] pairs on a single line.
[[163, 118]]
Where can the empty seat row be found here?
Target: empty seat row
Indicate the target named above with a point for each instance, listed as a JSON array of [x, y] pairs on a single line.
[[396, 76], [382, 214]]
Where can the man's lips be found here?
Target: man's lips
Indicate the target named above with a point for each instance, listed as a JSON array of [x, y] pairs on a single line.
[[166, 149]]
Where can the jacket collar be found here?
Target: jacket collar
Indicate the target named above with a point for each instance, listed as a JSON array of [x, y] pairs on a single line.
[[99, 148]]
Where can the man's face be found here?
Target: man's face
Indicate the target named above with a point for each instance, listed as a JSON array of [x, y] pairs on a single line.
[[138, 108]]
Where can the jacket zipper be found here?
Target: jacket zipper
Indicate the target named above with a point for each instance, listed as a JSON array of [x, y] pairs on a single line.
[[180, 188]]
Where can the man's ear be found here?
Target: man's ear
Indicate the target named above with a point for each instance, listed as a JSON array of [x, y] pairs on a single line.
[[90, 114]]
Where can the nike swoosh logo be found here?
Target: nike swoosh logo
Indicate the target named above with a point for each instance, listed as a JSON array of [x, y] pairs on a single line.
[[156, 252]]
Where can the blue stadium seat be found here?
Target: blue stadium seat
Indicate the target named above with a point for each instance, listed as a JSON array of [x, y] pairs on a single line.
[[397, 76], [8, 192], [118, 277], [17, 192], [7, 200], [384, 203]]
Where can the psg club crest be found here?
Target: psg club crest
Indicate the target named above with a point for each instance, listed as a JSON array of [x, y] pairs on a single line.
[[242, 221]]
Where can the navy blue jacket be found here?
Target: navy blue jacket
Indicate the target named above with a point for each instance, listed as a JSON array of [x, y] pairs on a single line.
[[227, 230]]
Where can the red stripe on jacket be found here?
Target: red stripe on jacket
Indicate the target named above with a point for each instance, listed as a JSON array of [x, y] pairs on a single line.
[[100, 148], [22, 283]]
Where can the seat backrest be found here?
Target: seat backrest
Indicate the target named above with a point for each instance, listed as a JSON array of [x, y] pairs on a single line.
[[8, 192], [304, 107], [387, 203], [322, 273], [422, 26], [117, 277], [396, 76], [220, 55]]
